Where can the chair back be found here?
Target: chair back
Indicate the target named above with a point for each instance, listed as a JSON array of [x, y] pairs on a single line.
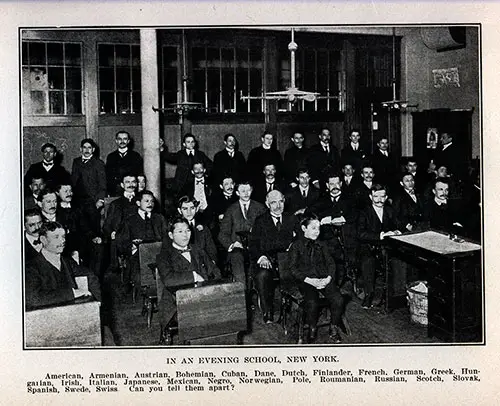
[[147, 260]]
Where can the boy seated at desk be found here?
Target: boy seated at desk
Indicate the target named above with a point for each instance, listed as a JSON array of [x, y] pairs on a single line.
[[52, 279], [314, 268], [180, 263]]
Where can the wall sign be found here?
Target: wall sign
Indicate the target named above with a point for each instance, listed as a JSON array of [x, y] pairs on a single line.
[[446, 78]]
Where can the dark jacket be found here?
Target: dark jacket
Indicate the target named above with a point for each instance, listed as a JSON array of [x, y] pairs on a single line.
[[294, 159], [407, 211], [260, 157], [309, 258], [54, 177], [118, 166], [134, 227], [321, 164], [89, 179], [295, 201], [225, 166]]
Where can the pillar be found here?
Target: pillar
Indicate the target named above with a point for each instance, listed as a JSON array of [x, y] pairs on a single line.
[[150, 119]]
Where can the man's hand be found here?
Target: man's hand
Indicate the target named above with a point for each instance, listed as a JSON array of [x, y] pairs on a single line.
[[234, 245], [99, 204], [409, 227], [221, 216], [338, 221], [300, 211], [97, 240], [264, 262], [293, 184], [326, 220], [113, 235]]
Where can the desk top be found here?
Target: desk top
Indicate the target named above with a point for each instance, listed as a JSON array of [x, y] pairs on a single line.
[[437, 242]]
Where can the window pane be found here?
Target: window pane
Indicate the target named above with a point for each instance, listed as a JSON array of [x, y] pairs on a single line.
[[106, 79], [169, 98], [123, 78], [228, 90], [198, 56], [136, 55], [56, 78], [136, 100], [241, 87], [122, 55], [242, 58], [74, 102], [38, 102], [213, 58], [255, 106], [169, 57], [256, 58], [24, 53], [322, 104], [38, 79], [56, 102], [73, 78], [136, 79], [213, 80], [170, 80], [73, 54], [199, 86], [106, 55], [106, 103], [255, 82], [227, 55], [123, 102], [55, 54], [37, 53]]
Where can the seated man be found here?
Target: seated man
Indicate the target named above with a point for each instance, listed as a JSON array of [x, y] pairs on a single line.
[[200, 233], [235, 227], [220, 201], [32, 223], [71, 218], [198, 188], [36, 185], [363, 187], [314, 268], [302, 196], [267, 182], [271, 234], [375, 222], [142, 226], [50, 278], [408, 205], [440, 212], [180, 263]]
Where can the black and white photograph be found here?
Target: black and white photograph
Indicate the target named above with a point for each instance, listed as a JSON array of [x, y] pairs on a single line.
[[246, 203]]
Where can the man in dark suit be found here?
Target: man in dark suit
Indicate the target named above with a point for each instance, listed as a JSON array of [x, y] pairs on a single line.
[[265, 154], [185, 159], [375, 222], [187, 206], [32, 223], [302, 196], [354, 153], [421, 179], [408, 205], [349, 180], [323, 158], [271, 234], [295, 158], [180, 263], [220, 200], [363, 187], [338, 225], [266, 182], [120, 162], [49, 169], [384, 164], [200, 189], [50, 278], [36, 185], [229, 162], [449, 155], [142, 226], [235, 228]]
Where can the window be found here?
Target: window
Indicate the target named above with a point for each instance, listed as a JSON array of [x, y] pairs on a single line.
[[222, 74], [119, 79], [317, 70], [170, 67], [52, 78]]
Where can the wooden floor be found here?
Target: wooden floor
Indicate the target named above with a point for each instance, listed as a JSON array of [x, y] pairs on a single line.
[[129, 327]]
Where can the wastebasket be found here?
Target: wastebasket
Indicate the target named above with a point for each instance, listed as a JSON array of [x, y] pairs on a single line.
[[416, 294]]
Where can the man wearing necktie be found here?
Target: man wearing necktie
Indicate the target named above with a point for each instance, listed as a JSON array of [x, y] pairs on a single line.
[[353, 153], [303, 195], [323, 158], [384, 165], [271, 234], [200, 189], [229, 162], [268, 182], [32, 223], [408, 205], [440, 212]]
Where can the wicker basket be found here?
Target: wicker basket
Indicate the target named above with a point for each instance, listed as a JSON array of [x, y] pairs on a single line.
[[417, 301]]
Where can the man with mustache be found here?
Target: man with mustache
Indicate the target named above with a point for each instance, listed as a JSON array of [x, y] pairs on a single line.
[[32, 223], [229, 162]]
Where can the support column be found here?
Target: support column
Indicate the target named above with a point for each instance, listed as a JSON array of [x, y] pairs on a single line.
[[150, 120]]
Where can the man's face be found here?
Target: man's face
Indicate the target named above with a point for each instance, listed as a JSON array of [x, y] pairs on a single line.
[[267, 140], [37, 185], [244, 192], [298, 140], [54, 241], [442, 172], [32, 225], [129, 184], [445, 138], [269, 172], [49, 154], [441, 191], [303, 179], [275, 201], [325, 136], [141, 183], [230, 143], [181, 234], [49, 204], [348, 170], [334, 185], [383, 144], [378, 198], [188, 210], [189, 143], [198, 171], [227, 186], [65, 193], [87, 150], [122, 140], [147, 203], [411, 166], [355, 137], [367, 174], [408, 182]]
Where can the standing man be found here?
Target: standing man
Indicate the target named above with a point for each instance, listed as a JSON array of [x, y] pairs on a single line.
[[303, 196], [384, 164], [32, 223], [120, 162], [265, 154], [185, 159], [229, 162], [323, 158], [295, 158], [353, 153], [449, 155], [199, 188], [49, 169]]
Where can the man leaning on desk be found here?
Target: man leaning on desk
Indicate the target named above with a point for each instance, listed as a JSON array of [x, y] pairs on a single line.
[[51, 279]]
